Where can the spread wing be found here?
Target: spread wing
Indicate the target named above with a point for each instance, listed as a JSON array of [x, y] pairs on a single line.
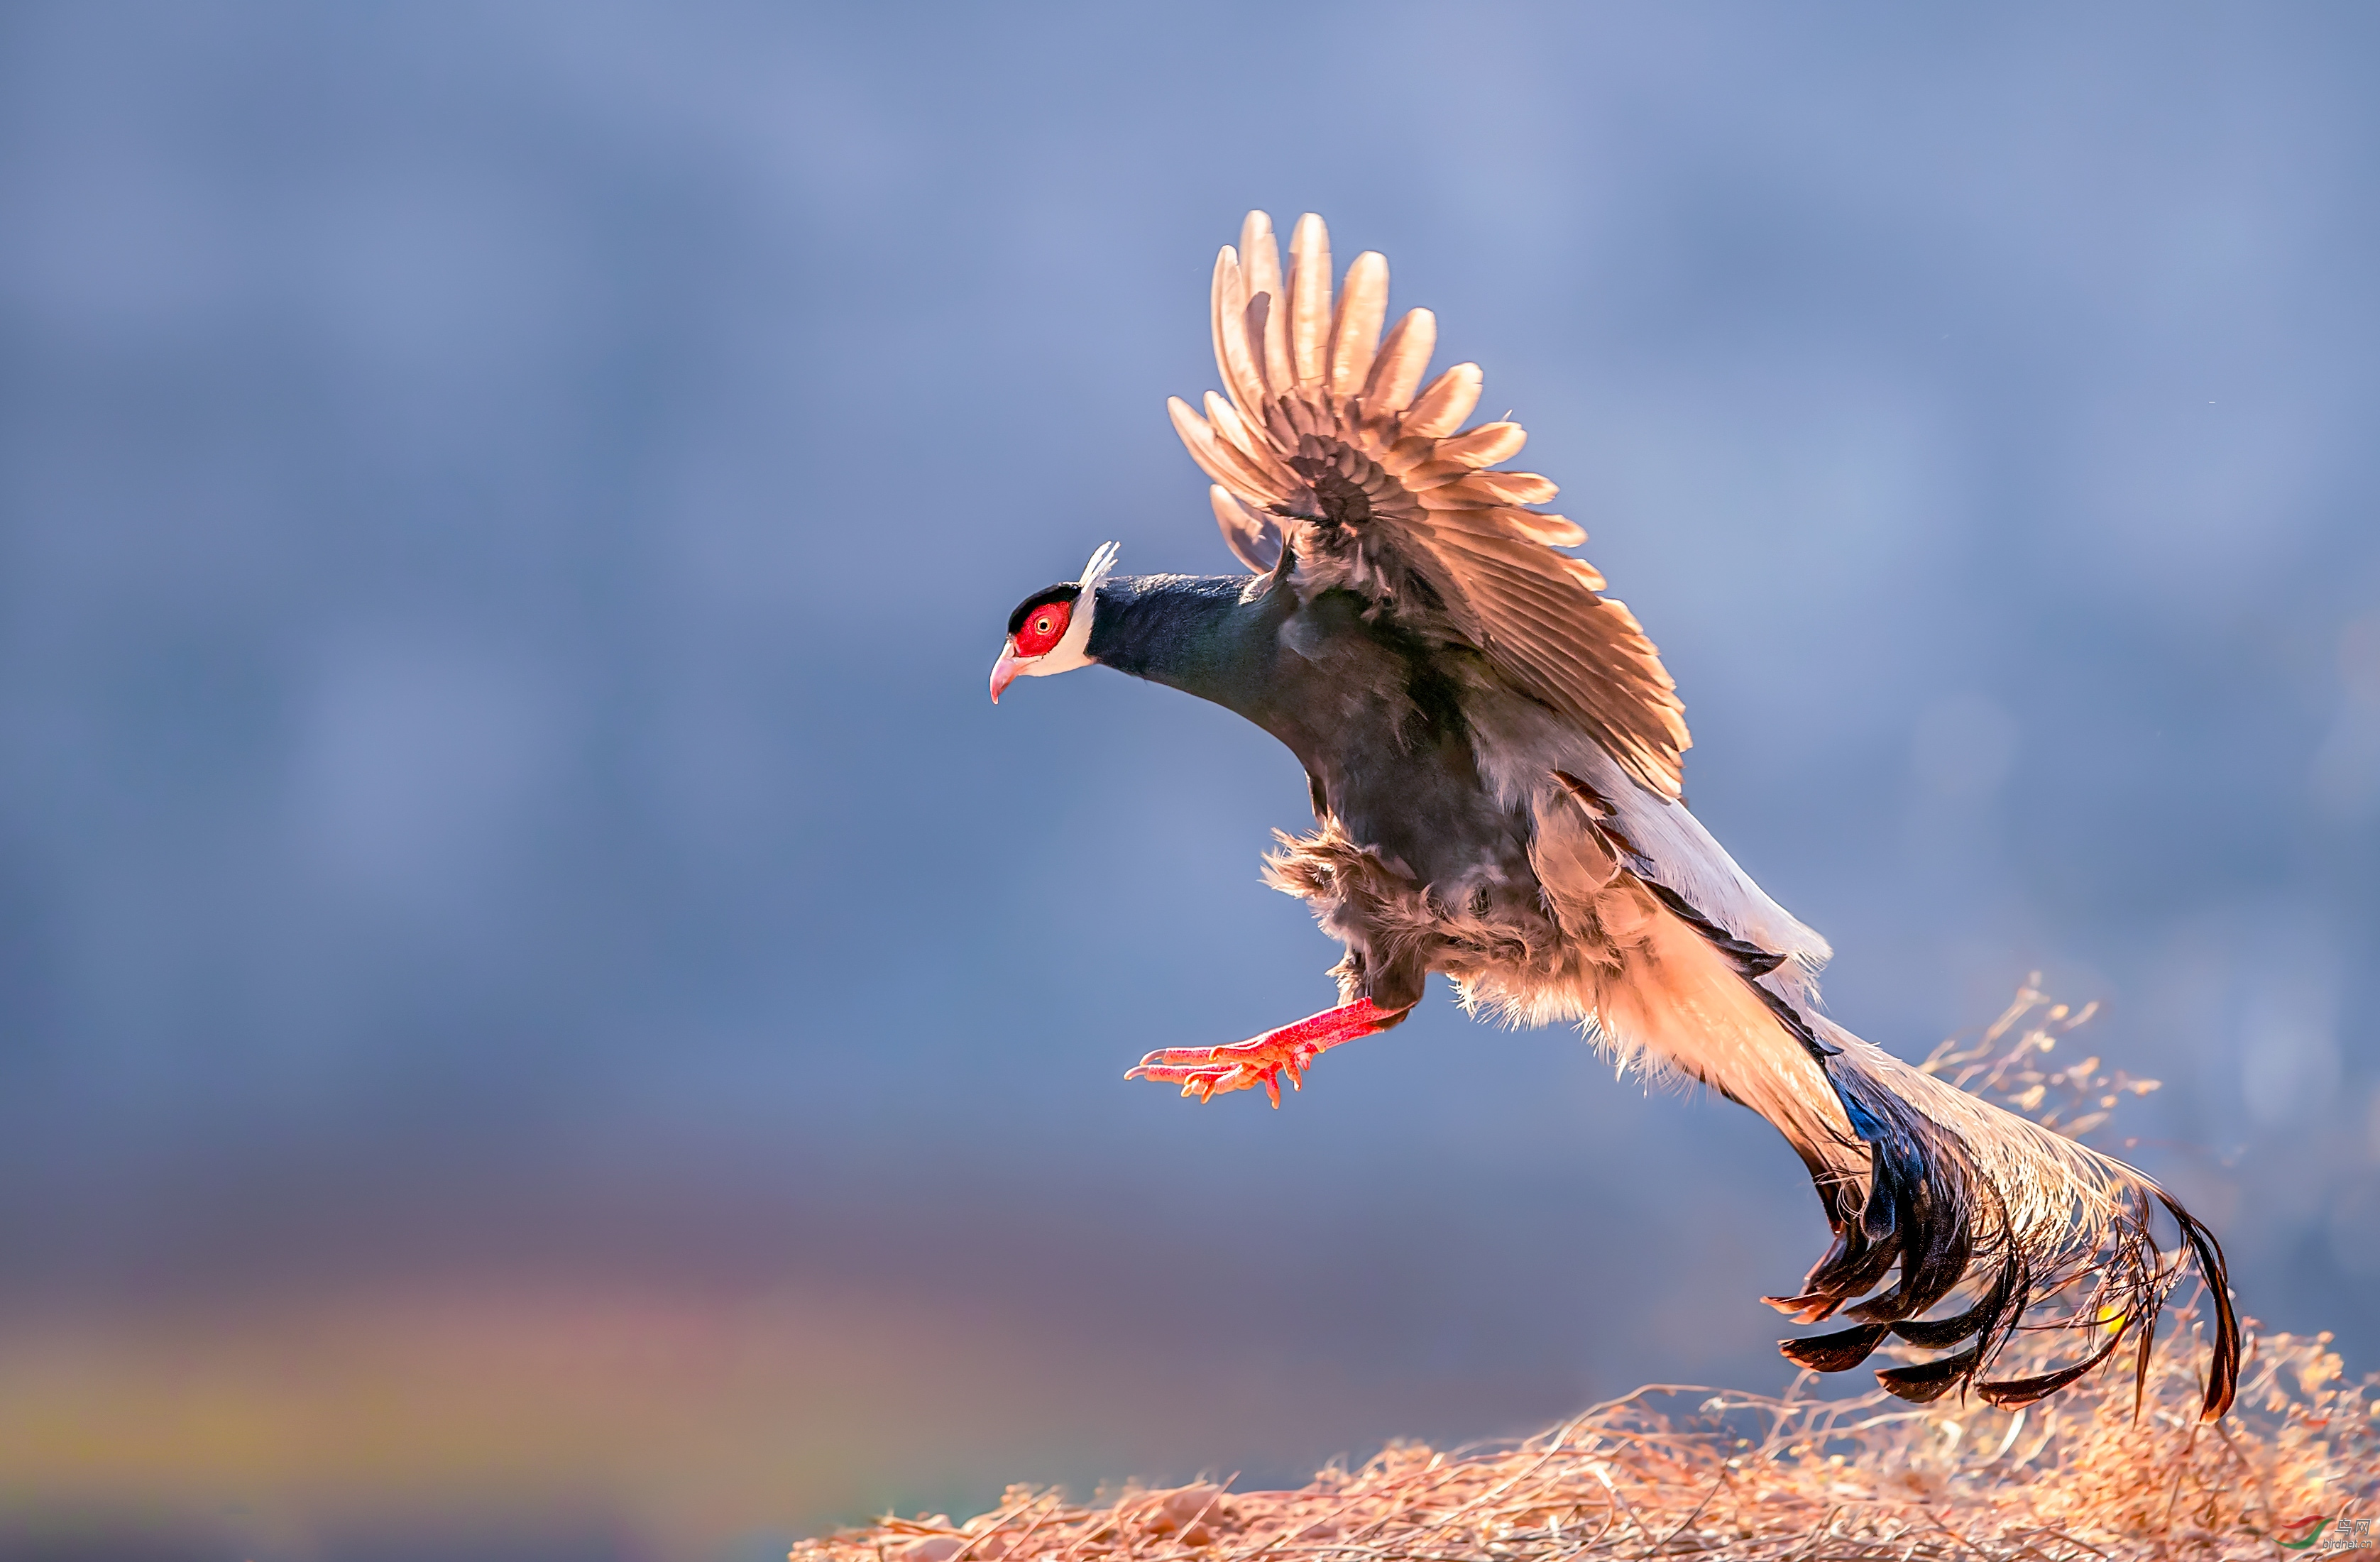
[[1328, 443]]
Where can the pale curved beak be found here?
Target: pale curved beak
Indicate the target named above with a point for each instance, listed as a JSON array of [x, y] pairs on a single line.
[[1004, 671]]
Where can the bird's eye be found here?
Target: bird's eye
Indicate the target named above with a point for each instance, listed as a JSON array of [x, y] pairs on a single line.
[[1041, 624]]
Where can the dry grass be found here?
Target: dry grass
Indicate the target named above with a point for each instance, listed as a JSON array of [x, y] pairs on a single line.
[[1684, 1471], [1675, 1471]]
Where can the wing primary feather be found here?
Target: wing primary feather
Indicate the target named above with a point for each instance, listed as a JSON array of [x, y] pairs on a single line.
[[1586, 575], [1553, 531], [1197, 438], [1227, 269], [1254, 541], [1309, 297], [1435, 473], [1485, 490], [1522, 635], [1440, 409], [1233, 430], [1609, 620], [1355, 329], [1483, 524], [1588, 656], [1232, 359], [1401, 362], [1260, 267], [1277, 426], [1217, 457], [1486, 445], [1255, 228]]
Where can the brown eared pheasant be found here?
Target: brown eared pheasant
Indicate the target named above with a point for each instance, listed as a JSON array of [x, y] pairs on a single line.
[[1494, 757]]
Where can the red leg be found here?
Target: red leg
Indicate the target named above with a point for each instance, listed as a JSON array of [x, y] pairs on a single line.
[[1209, 1072]]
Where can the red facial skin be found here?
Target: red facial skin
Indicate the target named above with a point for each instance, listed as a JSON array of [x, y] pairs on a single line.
[[1043, 628], [1035, 638]]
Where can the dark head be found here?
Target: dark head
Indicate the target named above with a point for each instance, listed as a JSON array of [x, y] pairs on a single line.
[[1050, 631]]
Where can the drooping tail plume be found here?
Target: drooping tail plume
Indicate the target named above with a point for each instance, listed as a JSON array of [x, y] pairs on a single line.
[[2046, 1233], [1951, 1199]]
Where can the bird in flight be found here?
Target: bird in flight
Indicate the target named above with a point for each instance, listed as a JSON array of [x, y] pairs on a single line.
[[1494, 752]]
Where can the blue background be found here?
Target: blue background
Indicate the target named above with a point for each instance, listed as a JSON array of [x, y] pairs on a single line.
[[516, 913]]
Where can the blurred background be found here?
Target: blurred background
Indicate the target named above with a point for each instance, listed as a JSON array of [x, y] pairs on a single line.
[[544, 1015]]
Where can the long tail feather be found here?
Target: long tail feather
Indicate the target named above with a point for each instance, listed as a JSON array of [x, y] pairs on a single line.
[[1975, 1190], [1934, 1194]]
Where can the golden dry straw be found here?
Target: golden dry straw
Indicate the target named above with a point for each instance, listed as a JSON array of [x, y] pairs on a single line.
[[2090, 1473], [1670, 1471]]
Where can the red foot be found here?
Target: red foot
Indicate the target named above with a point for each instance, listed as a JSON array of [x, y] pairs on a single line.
[[1211, 1071]]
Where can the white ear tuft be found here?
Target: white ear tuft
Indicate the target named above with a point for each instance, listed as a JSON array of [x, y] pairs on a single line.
[[1101, 566]]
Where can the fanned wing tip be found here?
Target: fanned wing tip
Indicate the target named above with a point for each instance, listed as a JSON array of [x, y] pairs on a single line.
[[1295, 369], [1253, 538]]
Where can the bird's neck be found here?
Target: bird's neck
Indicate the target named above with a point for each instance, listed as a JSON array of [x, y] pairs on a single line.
[[1204, 635]]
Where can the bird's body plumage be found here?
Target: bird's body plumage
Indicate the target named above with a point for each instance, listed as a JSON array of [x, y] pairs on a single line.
[[1494, 756]]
